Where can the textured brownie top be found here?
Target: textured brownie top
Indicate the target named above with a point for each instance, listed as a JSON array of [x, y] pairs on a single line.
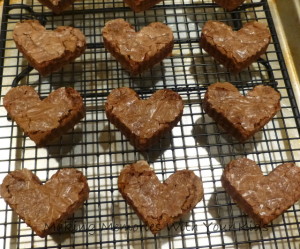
[[245, 111], [42, 206], [144, 117], [137, 45], [159, 204], [262, 197], [45, 45], [33, 115], [239, 44]]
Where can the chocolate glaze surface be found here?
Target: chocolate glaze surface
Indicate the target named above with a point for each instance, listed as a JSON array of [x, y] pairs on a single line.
[[44, 206], [159, 204], [262, 197], [239, 115], [143, 121], [38, 117], [48, 50]]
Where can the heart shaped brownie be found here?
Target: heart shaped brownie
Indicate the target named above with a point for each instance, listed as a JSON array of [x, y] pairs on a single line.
[[137, 51], [141, 5], [44, 120], [143, 122], [236, 50], [229, 4], [46, 50], [241, 116], [57, 6], [263, 198], [43, 207], [159, 204]]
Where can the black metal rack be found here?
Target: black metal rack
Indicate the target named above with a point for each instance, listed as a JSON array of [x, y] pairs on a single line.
[[98, 149]]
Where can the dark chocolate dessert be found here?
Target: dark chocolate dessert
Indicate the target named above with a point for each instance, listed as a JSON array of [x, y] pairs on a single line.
[[57, 6], [159, 204], [43, 207], [229, 4], [241, 116], [141, 5], [46, 50], [48, 119], [143, 122], [263, 198], [137, 51], [235, 50]]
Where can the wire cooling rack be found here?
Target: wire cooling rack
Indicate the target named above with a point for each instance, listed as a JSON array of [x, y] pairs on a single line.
[[98, 149]]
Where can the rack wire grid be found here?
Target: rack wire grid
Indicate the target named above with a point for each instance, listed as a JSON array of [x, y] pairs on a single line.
[[99, 150]]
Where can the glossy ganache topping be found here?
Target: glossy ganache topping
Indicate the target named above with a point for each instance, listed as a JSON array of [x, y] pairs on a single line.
[[262, 197], [247, 112], [137, 45], [159, 204], [40, 45], [43, 206], [239, 45]]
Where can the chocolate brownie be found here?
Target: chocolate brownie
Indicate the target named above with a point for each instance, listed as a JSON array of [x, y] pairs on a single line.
[[137, 51], [46, 50], [141, 5], [159, 204], [229, 4], [57, 6], [143, 122], [263, 198], [236, 50], [241, 116], [43, 207], [48, 119]]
